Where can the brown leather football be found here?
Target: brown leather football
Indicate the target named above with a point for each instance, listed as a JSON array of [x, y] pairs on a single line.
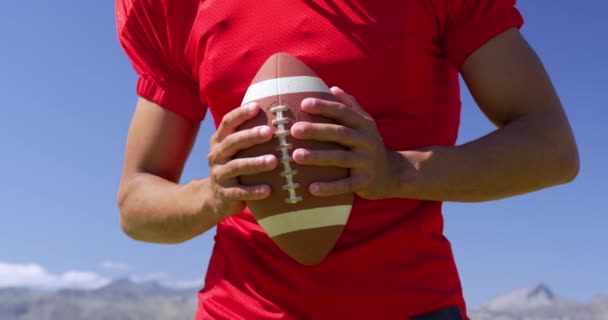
[[304, 226]]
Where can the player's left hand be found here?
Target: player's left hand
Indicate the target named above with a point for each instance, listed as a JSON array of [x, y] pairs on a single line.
[[374, 170]]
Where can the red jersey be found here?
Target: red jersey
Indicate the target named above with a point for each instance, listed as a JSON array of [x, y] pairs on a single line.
[[400, 59]]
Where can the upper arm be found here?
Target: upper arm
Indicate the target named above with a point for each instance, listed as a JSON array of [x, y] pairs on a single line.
[[159, 142], [510, 85], [507, 80], [506, 77], [154, 36]]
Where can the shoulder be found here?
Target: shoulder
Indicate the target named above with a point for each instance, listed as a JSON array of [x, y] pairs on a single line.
[[162, 13], [154, 35], [468, 24]]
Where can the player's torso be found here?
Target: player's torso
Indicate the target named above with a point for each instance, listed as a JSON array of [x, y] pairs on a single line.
[[387, 54]]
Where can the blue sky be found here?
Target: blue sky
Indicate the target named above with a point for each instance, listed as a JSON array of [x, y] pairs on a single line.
[[67, 95]]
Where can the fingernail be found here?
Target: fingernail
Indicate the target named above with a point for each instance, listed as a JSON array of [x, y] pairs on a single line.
[[264, 131], [267, 160], [297, 129], [250, 106], [260, 190], [300, 154], [314, 188], [296, 156], [308, 103]]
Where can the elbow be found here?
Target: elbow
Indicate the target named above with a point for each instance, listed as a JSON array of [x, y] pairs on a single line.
[[561, 155], [129, 228], [566, 160], [145, 231], [144, 219], [131, 223], [127, 225], [570, 164], [122, 202], [140, 228]]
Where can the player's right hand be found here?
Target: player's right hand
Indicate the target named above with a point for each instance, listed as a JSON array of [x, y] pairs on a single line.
[[228, 195]]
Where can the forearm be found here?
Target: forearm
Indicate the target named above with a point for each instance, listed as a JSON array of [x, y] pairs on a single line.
[[528, 154], [153, 209]]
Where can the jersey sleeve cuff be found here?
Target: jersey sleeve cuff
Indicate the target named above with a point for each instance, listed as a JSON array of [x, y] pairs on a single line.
[[462, 44], [173, 98]]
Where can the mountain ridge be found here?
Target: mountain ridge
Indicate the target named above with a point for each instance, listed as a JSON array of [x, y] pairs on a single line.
[[539, 302], [126, 299]]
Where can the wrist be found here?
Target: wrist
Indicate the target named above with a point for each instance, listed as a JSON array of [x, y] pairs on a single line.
[[200, 215], [208, 205], [407, 172]]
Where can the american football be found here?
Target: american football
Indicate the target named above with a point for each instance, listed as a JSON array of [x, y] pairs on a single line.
[[305, 227]]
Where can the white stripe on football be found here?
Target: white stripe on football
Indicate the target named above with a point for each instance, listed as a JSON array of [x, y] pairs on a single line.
[[286, 85]]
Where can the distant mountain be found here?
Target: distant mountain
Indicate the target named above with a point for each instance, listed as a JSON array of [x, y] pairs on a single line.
[[119, 300], [127, 300], [539, 303]]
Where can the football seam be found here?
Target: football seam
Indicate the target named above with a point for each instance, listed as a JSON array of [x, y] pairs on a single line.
[[281, 135]]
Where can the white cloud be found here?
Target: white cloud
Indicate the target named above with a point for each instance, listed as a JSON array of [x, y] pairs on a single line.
[[112, 265], [184, 284], [35, 276], [148, 277]]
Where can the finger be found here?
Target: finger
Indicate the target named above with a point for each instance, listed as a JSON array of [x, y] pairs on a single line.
[[234, 119], [244, 193], [240, 140], [348, 100], [332, 158], [245, 166], [335, 110], [330, 133], [338, 187]]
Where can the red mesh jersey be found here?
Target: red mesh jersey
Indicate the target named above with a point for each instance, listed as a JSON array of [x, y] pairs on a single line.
[[400, 59]]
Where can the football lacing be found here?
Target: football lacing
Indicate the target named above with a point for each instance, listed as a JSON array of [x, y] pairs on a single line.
[[281, 134]]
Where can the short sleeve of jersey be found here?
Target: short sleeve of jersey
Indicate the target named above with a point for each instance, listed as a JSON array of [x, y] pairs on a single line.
[[154, 34], [469, 24]]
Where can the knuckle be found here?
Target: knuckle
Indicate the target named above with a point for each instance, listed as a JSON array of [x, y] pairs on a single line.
[[342, 130], [231, 193], [224, 146], [257, 133], [230, 117], [262, 161], [231, 143], [228, 142], [243, 139], [341, 107], [232, 167], [240, 193], [216, 174], [221, 193]]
